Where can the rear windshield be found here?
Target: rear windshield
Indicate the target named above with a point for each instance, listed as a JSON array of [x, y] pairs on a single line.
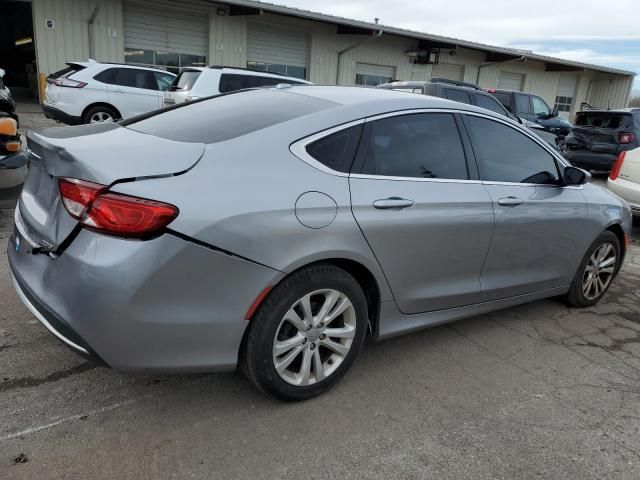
[[65, 72], [185, 80], [221, 118], [603, 120]]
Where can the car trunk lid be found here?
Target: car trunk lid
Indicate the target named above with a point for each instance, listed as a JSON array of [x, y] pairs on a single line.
[[102, 153]]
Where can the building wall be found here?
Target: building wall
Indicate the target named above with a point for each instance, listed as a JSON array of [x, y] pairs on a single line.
[[69, 40]]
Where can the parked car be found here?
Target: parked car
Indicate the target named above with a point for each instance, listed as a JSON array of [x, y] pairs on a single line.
[[533, 108], [92, 92], [198, 82], [466, 93], [599, 136], [277, 227], [7, 103], [624, 179], [11, 155]]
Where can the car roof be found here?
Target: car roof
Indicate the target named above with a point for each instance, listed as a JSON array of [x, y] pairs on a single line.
[[433, 81], [92, 62], [386, 99], [260, 73]]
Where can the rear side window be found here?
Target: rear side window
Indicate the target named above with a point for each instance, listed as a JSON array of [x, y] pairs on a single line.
[[424, 145], [524, 104], [224, 117], [128, 77], [457, 95], [163, 80], [65, 72], [603, 120], [506, 155], [338, 150], [185, 80], [485, 101], [503, 98]]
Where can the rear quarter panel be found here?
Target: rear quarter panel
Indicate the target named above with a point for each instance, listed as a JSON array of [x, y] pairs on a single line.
[[241, 197]]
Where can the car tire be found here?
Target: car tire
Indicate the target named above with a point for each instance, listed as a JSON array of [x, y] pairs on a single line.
[[99, 114], [595, 274], [310, 356]]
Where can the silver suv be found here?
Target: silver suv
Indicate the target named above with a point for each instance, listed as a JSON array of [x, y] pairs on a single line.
[[197, 82]]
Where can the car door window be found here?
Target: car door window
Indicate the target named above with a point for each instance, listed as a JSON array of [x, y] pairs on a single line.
[[523, 103], [337, 150], [485, 101], [507, 155], [134, 78], [163, 80], [425, 145], [457, 95], [539, 106]]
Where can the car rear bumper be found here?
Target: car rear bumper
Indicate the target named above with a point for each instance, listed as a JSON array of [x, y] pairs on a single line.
[[629, 191], [60, 116], [590, 160], [160, 305]]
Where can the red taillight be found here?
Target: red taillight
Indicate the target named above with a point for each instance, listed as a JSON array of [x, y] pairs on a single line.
[[66, 82], [114, 213], [490, 90], [617, 166], [625, 138]]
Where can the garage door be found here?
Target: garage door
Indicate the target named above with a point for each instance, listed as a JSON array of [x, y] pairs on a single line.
[[165, 33], [566, 91], [277, 49], [372, 75], [511, 81], [448, 70]]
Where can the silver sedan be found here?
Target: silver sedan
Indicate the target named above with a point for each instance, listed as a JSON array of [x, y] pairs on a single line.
[[274, 229]]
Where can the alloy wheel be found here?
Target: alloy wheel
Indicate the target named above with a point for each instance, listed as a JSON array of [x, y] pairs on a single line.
[[599, 271], [100, 117], [314, 337]]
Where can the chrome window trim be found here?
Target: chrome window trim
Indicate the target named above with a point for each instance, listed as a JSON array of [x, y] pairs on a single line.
[[299, 149]]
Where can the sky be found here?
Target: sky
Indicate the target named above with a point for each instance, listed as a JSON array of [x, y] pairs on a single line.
[[590, 31]]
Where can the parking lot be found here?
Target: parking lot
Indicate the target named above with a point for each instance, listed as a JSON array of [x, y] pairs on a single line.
[[536, 391]]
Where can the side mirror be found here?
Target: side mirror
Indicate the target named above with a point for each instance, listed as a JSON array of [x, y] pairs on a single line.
[[576, 176], [554, 112], [509, 109]]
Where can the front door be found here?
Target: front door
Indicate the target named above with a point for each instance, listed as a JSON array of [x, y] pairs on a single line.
[[536, 242], [134, 91], [428, 224]]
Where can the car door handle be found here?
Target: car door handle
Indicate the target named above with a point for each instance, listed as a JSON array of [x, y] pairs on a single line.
[[116, 90], [510, 201], [393, 203]]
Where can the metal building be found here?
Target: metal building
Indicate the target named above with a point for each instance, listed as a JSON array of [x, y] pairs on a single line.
[[322, 48]]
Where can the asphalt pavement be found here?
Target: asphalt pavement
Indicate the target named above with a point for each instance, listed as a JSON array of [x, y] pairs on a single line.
[[536, 391]]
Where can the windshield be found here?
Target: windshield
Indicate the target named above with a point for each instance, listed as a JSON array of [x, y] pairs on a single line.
[[603, 120], [227, 116]]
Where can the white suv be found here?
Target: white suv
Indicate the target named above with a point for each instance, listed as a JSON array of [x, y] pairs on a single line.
[[92, 92], [198, 82]]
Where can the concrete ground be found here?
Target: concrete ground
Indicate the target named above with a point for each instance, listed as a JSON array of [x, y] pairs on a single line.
[[536, 391]]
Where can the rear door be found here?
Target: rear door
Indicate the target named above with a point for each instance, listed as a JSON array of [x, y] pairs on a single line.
[[133, 91], [537, 241], [422, 210]]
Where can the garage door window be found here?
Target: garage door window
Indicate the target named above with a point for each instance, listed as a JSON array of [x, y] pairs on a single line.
[[171, 61], [282, 69], [372, 75]]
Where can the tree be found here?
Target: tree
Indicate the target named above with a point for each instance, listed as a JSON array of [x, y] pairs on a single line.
[[634, 101]]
